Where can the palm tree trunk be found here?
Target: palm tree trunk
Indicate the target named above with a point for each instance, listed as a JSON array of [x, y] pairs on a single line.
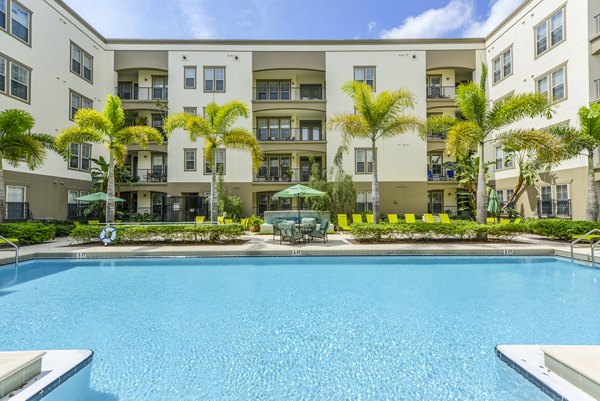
[[516, 191], [481, 188], [214, 209], [591, 204], [2, 193], [110, 199], [375, 185]]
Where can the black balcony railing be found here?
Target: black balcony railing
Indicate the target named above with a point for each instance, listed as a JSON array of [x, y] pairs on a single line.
[[441, 92], [286, 94], [554, 208], [433, 136], [143, 93], [439, 173], [173, 209], [303, 134], [282, 174], [150, 175], [16, 211]]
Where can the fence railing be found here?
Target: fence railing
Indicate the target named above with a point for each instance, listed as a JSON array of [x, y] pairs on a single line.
[[554, 208], [436, 135], [302, 93], [302, 134], [282, 174], [143, 93], [152, 175], [16, 211], [441, 92], [441, 174]]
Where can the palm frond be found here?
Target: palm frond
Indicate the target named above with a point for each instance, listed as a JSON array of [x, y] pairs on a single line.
[[15, 121], [352, 126], [119, 153], [228, 114], [400, 125], [23, 147], [362, 96], [174, 121], [483, 78], [472, 102], [589, 121], [539, 144], [93, 120], [463, 139], [77, 134], [438, 124], [388, 105], [518, 107], [240, 138], [140, 134], [113, 111], [196, 126]]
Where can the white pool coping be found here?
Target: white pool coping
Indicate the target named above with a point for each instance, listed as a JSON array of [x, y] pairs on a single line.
[[57, 367]]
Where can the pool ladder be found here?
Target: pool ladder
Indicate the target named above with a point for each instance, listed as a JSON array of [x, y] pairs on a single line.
[[593, 244], [16, 249]]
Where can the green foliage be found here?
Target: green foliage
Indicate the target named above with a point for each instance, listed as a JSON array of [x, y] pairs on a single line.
[[28, 233], [63, 227], [230, 204], [458, 230], [255, 221], [560, 229], [131, 234]]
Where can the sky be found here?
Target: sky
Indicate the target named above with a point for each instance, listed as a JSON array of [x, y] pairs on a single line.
[[293, 19]]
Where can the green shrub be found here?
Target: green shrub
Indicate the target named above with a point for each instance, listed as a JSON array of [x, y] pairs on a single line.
[[63, 227], [28, 233], [559, 229], [130, 234]]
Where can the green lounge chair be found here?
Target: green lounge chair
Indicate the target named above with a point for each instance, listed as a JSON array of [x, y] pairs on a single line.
[[356, 218], [428, 218], [444, 218], [490, 220], [410, 218], [393, 218], [320, 232], [343, 222], [370, 218]]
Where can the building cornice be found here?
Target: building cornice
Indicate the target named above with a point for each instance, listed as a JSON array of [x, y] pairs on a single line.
[[300, 42]]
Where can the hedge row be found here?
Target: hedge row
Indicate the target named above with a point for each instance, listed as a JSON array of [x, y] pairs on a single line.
[[28, 233], [457, 230], [560, 229], [128, 234]]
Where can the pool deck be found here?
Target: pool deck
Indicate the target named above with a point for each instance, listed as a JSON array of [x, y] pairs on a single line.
[[527, 360]]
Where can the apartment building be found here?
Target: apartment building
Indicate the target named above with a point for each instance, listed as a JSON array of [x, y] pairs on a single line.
[[53, 63]]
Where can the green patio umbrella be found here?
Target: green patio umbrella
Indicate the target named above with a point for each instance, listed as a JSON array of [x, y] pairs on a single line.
[[97, 196], [299, 191], [493, 205]]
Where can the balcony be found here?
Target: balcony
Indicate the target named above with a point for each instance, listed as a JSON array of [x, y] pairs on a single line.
[[17, 211], [287, 94], [435, 92], [436, 136], [142, 93], [281, 175], [554, 208], [155, 175], [304, 134], [439, 173]]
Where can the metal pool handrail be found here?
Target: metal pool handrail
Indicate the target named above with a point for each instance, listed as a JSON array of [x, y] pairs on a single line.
[[581, 238], [593, 250], [16, 249]]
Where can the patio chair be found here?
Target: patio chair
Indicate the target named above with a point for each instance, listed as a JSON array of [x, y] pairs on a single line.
[[370, 218], [504, 221], [356, 218], [320, 232], [444, 218], [410, 218], [393, 218], [289, 233], [13, 240], [490, 220], [277, 226], [517, 221], [220, 219], [200, 219], [428, 218], [93, 222], [228, 221], [343, 222]]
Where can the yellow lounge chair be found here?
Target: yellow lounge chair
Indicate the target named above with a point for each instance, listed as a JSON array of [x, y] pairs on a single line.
[[13, 240], [504, 221], [356, 218], [199, 219], [490, 220], [410, 218], [244, 222], [428, 218], [228, 221], [517, 221], [93, 221], [342, 220], [444, 218], [393, 218], [220, 219], [370, 218]]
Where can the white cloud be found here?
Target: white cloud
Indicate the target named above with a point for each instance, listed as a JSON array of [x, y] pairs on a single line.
[[434, 22], [371, 26], [195, 17], [112, 18], [498, 11]]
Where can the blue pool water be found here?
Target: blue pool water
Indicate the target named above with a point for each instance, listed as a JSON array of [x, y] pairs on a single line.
[[300, 328]]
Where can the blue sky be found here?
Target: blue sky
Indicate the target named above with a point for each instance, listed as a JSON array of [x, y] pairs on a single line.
[[293, 19]]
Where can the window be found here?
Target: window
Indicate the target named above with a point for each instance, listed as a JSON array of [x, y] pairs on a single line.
[[16, 208], [597, 82], [596, 19], [189, 157], [78, 102], [310, 130], [20, 22], [189, 76], [502, 65], [503, 159], [553, 84], [3, 74], [364, 202], [159, 88], [19, 81], [157, 122], [366, 75], [3, 14], [268, 201], [274, 129], [219, 160], [364, 161], [214, 79], [550, 32], [80, 156], [273, 90], [192, 111], [275, 167]]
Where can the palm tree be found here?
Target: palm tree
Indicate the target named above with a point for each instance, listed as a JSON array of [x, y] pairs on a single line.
[[585, 140], [18, 144], [107, 128], [481, 120], [377, 117], [217, 132]]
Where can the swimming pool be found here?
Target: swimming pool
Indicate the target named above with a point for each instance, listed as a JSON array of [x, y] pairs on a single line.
[[326, 328]]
